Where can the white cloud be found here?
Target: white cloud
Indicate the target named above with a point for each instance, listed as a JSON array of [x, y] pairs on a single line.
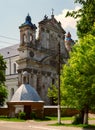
[[67, 21]]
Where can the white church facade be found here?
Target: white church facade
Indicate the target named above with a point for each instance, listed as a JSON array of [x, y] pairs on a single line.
[[39, 57]]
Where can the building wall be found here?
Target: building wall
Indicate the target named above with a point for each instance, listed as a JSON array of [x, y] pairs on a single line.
[[47, 111], [12, 85], [12, 66], [65, 112], [11, 76]]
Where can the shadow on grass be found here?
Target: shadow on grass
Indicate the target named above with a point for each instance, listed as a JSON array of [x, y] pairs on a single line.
[[89, 126], [85, 127], [44, 119]]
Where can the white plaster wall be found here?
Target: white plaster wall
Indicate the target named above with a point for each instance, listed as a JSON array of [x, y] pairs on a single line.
[[34, 81], [23, 54], [13, 60], [10, 65], [11, 83]]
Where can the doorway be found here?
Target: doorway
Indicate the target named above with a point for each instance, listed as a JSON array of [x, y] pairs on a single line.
[[27, 110]]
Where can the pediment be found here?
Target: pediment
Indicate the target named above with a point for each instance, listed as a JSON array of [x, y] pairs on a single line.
[[52, 23]]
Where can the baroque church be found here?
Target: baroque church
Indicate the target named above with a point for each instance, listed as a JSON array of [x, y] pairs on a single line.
[[38, 56]]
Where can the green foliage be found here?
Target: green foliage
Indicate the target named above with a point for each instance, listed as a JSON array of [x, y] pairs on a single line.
[[2, 70], [53, 92], [77, 119], [3, 90], [87, 16], [22, 115], [33, 115], [80, 1], [5, 118], [3, 95], [78, 76]]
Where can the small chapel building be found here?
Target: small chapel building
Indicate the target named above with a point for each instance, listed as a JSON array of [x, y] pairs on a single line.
[[27, 100]]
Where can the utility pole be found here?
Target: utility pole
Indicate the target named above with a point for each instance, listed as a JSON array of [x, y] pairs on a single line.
[[59, 109]]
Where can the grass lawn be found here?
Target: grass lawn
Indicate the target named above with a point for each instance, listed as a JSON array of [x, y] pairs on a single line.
[[72, 125], [68, 119], [4, 118], [48, 118], [62, 118]]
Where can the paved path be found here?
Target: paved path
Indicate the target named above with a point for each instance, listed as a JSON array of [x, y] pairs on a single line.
[[34, 125]]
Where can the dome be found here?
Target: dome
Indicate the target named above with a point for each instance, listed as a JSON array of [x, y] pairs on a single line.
[[28, 18], [25, 74], [69, 39], [28, 22], [25, 93]]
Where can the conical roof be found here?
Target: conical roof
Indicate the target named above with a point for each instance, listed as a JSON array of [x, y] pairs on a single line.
[[29, 23], [25, 93]]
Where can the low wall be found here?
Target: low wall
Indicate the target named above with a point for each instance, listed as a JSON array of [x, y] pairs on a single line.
[[48, 111], [4, 111], [52, 111]]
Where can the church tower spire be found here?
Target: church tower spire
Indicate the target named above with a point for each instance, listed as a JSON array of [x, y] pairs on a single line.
[[52, 16]]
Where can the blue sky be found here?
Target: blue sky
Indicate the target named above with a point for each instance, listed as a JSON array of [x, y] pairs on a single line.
[[13, 13]]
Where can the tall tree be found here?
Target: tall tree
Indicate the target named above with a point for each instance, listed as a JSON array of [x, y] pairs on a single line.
[[87, 16], [3, 90], [78, 76]]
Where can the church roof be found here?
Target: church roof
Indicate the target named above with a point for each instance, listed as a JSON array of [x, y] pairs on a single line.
[[25, 93], [10, 51]]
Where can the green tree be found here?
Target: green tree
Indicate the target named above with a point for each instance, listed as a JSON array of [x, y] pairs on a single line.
[[3, 90], [78, 77], [53, 92], [86, 14]]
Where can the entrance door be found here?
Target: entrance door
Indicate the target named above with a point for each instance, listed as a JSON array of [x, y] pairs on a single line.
[[27, 110]]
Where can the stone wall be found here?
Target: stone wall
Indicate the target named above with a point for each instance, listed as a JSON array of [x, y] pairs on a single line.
[[52, 111], [47, 111], [4, 111]]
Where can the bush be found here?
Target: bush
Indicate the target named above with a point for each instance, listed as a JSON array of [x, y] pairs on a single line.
[[22, 115], [77, 119], [33, 115]]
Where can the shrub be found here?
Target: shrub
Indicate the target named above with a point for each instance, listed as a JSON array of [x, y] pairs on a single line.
[[22, 115], [77, 119], [33, 115]]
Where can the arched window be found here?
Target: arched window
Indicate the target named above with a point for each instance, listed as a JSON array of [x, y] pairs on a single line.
[[31, 38], [24, 38], [14, 68]]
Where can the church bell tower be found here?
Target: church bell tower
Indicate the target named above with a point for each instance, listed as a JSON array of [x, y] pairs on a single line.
[[27, 37], [27, 41], [27, 32]]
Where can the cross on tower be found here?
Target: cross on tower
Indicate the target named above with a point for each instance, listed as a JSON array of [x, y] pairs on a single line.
[[52, 11]]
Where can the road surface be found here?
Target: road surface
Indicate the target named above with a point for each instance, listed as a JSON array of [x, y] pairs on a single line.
[[34, 125]]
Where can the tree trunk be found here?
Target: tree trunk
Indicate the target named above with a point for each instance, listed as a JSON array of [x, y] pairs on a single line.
[[82, 116], [85, 121]]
